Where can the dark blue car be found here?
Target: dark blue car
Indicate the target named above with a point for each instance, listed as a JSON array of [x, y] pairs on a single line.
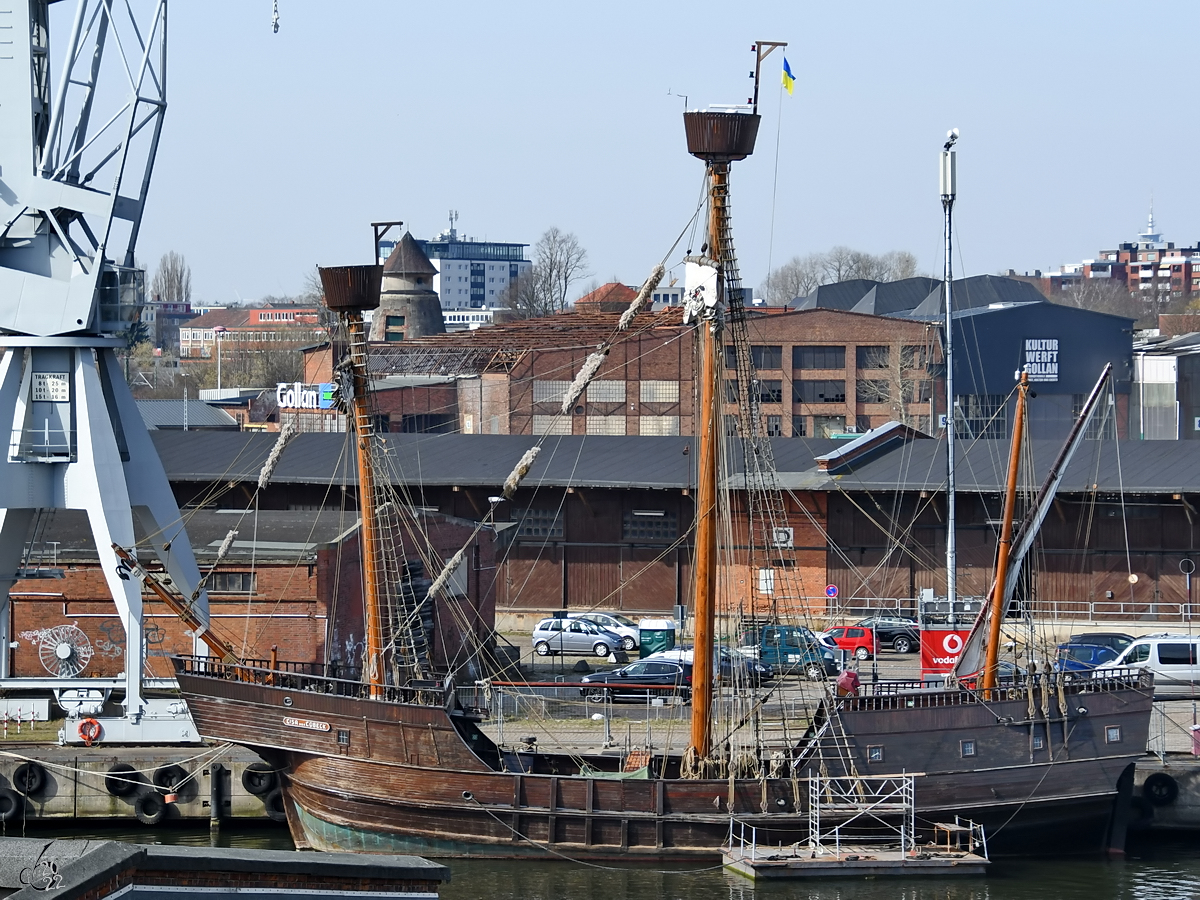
[[1077, 657]]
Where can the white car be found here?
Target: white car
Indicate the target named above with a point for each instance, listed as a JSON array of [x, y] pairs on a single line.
[[627, 628]]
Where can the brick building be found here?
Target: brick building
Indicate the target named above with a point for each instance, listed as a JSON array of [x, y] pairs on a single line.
[[242, 330], [1149, 268]]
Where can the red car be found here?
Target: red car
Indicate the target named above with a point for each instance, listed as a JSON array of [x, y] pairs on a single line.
[[855, 639]]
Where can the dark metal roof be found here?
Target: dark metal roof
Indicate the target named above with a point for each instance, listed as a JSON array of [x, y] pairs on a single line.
[[170, 414], [1152, 467], [267, 536]]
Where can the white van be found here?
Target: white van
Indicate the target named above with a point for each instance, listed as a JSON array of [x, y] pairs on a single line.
[[1172, 659]]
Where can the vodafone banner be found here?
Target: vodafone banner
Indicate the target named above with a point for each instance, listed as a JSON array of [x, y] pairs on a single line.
[[940, 650]]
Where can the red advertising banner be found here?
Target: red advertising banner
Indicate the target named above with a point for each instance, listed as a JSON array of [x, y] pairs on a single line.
[[940, 650]]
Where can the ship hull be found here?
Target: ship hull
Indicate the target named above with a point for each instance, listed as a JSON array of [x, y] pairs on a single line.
[[380, 776]]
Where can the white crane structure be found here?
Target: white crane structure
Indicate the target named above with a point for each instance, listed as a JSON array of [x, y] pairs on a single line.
[[75, 164]]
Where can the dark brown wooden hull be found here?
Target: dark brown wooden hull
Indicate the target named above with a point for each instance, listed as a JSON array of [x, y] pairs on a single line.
[[370, 775]]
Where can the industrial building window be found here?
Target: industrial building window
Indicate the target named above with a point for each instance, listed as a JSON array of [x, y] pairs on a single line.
[[862, 424], [775, 426], [913, 356], [233, 583], [799, 426], [916, 391], [343, 737], [867, 390], [1039, 743], [1103, 426], [766, 356], [731, 426], [812, 391], [395, 321], [606, 392], [660, 392], [606, 424], [966, 748], [551, 425], [731, 390], [980, 416], [828, 426], [650, 525], [1112, 734], [549, 391], [770, 391], [874, 753], [873, 357], [538, 523], [658, 426], [818, 357]]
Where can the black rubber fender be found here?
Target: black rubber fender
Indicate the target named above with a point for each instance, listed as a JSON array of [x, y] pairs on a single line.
[[259, 779], [150, 808], [1160, 789], [170, 777], [122, 780], [10, 804], [273, 803], [29, 778]]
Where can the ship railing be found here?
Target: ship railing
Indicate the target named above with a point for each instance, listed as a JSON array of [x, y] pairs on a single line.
[[341, 681], [941, 692]]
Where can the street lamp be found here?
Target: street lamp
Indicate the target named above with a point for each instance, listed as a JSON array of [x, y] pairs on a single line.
[[218, 331]]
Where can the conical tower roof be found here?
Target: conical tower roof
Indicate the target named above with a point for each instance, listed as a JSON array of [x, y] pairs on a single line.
[[408, 259]]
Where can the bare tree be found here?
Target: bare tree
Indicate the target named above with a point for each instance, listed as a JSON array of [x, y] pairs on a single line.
[[1108, 295], [795, 278], [559, 261], [801, 275], [562, 261], [172, 281]]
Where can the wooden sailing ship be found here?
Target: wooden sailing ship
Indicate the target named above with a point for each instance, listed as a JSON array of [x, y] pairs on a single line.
[[393, 758]]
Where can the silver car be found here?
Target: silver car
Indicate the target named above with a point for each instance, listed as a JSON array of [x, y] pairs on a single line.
[[573, 636]]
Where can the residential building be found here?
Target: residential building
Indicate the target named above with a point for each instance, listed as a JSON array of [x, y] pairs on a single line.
[[1149, 267], [245, 329]]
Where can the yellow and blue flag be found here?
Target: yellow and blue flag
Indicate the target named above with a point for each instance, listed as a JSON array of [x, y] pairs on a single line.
[[789, 80]]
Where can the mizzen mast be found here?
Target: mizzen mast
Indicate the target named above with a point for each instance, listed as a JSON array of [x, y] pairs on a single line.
[[718, 138], [348, 291]]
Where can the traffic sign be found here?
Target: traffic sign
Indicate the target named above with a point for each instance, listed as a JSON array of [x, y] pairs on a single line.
[[831, 591]]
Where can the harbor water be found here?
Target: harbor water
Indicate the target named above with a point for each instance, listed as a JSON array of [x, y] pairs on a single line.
[[1157, 867]]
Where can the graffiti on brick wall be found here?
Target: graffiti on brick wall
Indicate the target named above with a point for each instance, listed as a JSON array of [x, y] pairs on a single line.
[[112, 645]]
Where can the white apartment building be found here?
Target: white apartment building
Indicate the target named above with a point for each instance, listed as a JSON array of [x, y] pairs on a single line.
[[471, 274]]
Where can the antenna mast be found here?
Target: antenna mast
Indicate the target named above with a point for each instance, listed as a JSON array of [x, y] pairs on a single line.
[[949, 190]]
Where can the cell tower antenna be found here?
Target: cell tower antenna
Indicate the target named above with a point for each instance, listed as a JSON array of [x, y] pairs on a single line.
[[77, 166]]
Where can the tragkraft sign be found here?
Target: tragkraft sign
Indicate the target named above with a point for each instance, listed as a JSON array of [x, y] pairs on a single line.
[[304, 396], [1041, 359], [940, 650]]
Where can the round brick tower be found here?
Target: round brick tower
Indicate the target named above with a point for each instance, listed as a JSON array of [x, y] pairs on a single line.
[[408, 305]]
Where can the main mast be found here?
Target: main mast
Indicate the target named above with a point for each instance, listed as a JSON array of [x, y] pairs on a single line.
[[348, 291], [949, 190], [718, 138]]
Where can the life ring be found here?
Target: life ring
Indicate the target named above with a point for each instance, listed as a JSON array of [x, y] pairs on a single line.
[[273, 803], [1160, 789], [29, 778], [10, 804], [150, 808], [90, 731]]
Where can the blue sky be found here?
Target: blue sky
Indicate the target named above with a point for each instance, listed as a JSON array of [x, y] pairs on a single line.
[[280, 149]]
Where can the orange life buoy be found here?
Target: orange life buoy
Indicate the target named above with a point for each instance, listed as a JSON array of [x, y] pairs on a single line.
[[89, 730]]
